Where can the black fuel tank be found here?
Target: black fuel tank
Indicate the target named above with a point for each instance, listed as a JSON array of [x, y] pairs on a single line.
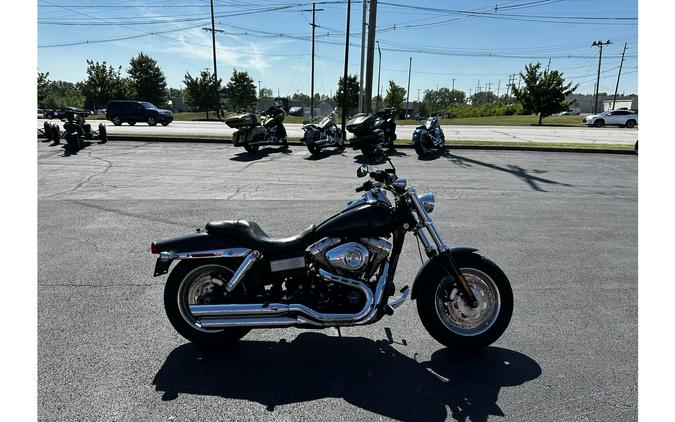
[[368, 220]]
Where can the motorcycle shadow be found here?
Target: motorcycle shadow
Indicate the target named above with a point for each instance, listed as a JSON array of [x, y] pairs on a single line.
[[245, 156], [324, 153], [435, 154], [369, 374]]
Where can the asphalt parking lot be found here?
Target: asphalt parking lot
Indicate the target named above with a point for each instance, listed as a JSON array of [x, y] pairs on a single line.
[[562, 226]]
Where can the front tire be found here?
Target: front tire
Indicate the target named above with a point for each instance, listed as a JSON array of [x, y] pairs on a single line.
[[313, 149], [599, 123], [252, 149], [453, 323], [182, 286], [420, 150]]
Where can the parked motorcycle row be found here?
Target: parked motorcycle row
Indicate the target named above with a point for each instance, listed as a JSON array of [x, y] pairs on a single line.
[[76, 131], [371, 133]]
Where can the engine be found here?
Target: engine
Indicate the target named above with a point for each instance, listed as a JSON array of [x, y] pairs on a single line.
[[356, 259]]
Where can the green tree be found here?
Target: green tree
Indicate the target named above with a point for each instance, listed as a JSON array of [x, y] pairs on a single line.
[[395, 95], [105, 83], [42, 83], [352, 94], [484, 97], [377, 103], [442, 98], [148, 79], [61, 94], [241, 92], [544, 92], [202, 92], [266, 93], [302, 98]]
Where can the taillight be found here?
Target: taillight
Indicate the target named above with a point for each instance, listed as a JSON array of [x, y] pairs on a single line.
[[153, 248]]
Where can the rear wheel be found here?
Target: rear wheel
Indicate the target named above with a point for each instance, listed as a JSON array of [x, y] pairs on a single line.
[[116, 120], [151, 121], [102, 133], [457, 325], [200, 283], [630, 124]]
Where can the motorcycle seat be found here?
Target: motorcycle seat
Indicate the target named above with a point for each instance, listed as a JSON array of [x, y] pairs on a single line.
[[249, 234]]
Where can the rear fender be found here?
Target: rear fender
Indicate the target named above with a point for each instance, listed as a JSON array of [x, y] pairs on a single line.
[[193, 246], [435, 266]]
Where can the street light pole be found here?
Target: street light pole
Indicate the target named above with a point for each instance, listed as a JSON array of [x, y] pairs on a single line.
[[597, 83], [379, 69], [344, 77], [616, 90], [407, 98]]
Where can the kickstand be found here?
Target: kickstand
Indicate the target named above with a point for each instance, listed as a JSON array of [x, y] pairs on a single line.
[[339, 333]]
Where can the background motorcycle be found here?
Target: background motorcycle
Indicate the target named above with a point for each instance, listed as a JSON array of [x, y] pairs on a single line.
[[428, 136], [233, 277], [372, 132], [323, 134], [251, 134], [76, 130]]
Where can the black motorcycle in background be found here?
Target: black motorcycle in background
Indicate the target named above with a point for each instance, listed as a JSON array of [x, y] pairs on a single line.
[[373, 132], [233, 277], [428, 136], [251, 133], [323, 134], [75, 130]]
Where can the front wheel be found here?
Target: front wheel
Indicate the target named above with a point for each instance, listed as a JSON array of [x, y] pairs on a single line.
[[420, 149], [313, 149], [454, 323], [200, 283], [251, 148]]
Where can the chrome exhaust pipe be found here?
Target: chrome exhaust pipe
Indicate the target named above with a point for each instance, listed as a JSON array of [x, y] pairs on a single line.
[[279, 314]]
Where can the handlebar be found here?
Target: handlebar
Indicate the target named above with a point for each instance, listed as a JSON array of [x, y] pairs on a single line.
[[367, 185]]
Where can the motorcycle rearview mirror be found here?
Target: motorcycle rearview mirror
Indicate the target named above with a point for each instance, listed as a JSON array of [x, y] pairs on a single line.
[[362, 171]]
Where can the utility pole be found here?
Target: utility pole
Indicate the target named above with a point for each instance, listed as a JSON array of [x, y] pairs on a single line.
[[370, 57], [619, 75], [213, 31], [258, 90], [313, 25], [489, 85], [418, 94], [344, 77], [597, 83], [548, 65], [453, 93], [407, 93], [453, 84], [379, 69], [363, 51], [499, 85]]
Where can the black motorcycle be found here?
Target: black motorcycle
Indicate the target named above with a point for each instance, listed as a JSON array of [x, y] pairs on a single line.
[[323, 134], [233, 277], [373, 132], [75, 130], [251, 133], [428, 136]]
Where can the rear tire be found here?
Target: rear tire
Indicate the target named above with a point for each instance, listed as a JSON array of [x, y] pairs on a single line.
[[630, 124], [151, 121], [184, 276], [116, 120], [479, 327]]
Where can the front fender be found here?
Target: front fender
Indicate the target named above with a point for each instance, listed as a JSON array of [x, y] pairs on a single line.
[[435, 265], [417, 135]]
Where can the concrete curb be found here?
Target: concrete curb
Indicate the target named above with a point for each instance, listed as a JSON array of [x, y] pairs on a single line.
[[514, 147]]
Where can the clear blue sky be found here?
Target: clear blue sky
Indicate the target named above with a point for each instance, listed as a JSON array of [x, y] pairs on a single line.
[[461, 39]]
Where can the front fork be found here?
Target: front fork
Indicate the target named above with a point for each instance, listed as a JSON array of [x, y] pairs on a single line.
[[436, 246]]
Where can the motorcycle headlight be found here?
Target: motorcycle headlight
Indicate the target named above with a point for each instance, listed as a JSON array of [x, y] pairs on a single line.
[[428, 200]]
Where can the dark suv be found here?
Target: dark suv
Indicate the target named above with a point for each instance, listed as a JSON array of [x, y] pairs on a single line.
[[120, 111]]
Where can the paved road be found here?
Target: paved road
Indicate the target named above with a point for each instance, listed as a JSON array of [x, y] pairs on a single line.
[[562, 226], [608, 135]]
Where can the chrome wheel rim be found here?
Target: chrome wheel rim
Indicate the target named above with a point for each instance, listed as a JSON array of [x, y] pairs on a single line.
[[197, 288], [459, 317]]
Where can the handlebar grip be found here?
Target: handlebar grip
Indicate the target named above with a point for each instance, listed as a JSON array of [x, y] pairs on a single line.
[[368, 185]]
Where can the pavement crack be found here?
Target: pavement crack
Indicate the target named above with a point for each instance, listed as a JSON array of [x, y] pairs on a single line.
[[87, 179], [130, 214]]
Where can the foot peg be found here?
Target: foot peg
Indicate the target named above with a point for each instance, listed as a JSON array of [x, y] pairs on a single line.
[[395, 303]]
